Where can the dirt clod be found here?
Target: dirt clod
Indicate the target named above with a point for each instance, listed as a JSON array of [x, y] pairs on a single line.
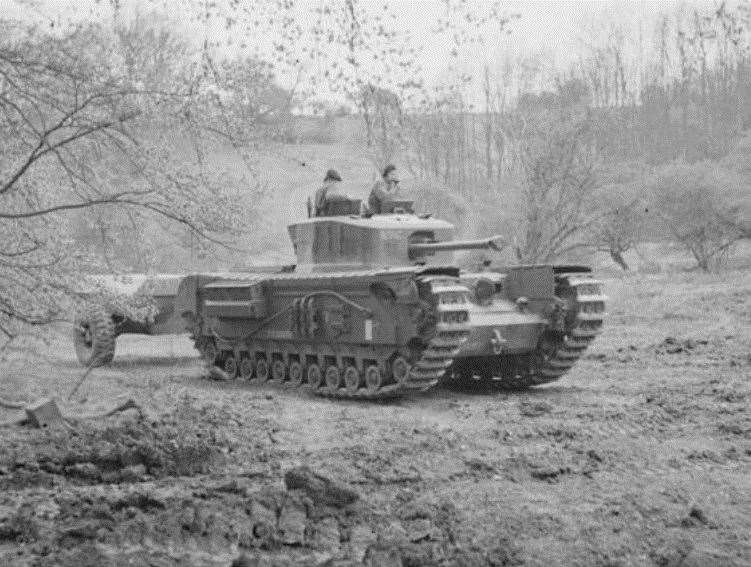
[[361, 537], [132, 474], [245, 560], [534, 409], [696, 516], [263, 522], [21, 527], [83, 530], [326, 535], [420, 530], [672, 345], [292, 521], [480, 466], [321, 490], [394, 534], [549, 473], [45, 414], [383, 556], [85, 471], [139, 500]]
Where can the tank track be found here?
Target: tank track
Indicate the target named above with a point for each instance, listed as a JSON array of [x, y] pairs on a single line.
[[584, 325], [450, 330]]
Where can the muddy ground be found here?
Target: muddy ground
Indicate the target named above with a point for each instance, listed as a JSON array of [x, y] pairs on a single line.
[[640, 456]]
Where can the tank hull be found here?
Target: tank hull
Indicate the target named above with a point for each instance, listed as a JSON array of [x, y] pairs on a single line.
[[382, 333]]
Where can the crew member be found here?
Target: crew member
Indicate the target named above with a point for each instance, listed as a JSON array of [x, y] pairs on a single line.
[[386, 189], [330, 182]]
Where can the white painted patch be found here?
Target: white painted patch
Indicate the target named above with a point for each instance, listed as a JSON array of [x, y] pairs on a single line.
[[368, 329]]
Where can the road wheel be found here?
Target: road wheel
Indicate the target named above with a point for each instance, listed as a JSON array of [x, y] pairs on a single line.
[[230, 366], [333, 378], [246, 368], [315, 376], [373, 379], [279, 371], [295, 373], [262, 370], [400, 370], [352, 381], [94, 337]]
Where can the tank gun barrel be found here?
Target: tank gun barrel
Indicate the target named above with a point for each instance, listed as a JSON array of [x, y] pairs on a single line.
[[492, 243]]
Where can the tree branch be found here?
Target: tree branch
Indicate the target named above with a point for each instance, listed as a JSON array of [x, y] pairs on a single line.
[[112, 199]]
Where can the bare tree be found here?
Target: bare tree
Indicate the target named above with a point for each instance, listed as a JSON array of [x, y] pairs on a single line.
[[557, 167], [79, 131], [384, 119], [617, 230], [699, 208]]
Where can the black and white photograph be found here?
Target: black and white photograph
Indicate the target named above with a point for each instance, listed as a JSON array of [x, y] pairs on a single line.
[[375, 283]]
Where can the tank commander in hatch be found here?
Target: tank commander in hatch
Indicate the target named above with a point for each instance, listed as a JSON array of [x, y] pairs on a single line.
[[330, 183], [386, 189]]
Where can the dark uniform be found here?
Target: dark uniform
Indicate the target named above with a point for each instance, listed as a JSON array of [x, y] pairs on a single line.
[[382, 191], [385, 189], [330, 183]]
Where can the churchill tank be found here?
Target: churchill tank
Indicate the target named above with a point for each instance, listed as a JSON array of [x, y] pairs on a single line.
[[376, 307]]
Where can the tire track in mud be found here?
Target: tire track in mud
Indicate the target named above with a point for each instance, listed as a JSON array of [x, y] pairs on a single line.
[[655, 436]]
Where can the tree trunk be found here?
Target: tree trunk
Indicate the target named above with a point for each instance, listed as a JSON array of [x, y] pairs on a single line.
[[618, 258]]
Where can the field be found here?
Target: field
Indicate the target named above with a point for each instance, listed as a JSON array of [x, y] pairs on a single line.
[[640, 456]]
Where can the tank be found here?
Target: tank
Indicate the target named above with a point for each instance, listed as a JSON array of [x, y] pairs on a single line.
[[376, 307]]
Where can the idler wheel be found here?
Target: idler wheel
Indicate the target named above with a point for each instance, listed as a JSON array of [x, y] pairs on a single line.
[[315, 376], [373, 379], [279, 371], [262, 370], [230, 366], [333, 378], [295, 373], [400, 369], [352, 381], [246, 368]]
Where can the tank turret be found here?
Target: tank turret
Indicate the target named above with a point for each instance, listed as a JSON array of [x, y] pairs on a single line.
[[400, 238]]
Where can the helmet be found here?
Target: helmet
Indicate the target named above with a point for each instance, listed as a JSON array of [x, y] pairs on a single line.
[[332, 175], [388, 169]]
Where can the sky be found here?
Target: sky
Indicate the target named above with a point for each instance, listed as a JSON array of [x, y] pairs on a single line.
[[554, 28], [551, 23]]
